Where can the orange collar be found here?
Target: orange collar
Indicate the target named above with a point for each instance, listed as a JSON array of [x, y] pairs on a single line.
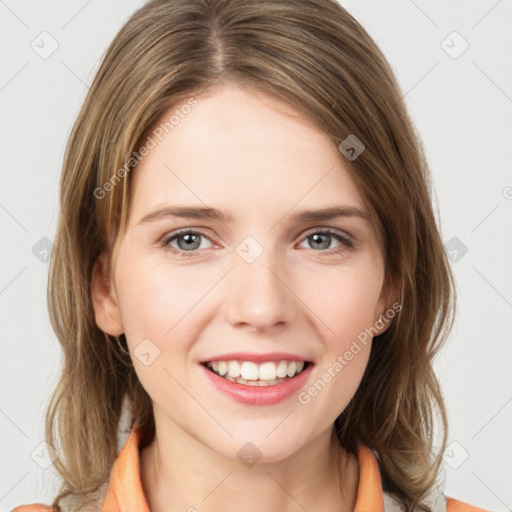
[[125, 493]]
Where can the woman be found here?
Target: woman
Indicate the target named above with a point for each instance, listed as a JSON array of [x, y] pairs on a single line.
[[247, 275]]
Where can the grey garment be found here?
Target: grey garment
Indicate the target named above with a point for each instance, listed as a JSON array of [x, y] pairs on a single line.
[[73, 503], [436, 501]]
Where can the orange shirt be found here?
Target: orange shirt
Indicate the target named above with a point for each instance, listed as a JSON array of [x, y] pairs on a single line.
[[124, 492]]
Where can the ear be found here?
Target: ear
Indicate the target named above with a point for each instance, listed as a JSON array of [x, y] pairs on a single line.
[[106, 310], [387, 305]]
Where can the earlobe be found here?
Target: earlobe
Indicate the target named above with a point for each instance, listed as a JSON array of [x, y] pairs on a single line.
[[106, 310]]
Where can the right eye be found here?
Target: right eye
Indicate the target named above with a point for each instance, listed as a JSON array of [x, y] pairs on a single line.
[[188, 241]]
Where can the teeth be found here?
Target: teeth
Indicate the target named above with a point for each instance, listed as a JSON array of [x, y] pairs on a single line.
[[292, 367], [282, 369], [268, 371], [247, 371], [222, 367], [234, 369]]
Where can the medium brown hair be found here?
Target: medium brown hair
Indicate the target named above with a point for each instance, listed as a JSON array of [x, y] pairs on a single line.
[[314, 55]]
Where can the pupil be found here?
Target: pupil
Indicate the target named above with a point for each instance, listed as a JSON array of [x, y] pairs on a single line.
[[319, 235], [189, 240]]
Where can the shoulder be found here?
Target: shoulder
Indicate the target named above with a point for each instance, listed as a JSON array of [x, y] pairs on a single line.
[[71, 503], [390, 504], [439, 504], [36, 507], [453, 505]]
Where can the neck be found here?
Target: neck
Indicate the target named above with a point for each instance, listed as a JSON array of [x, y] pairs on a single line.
[[180, 473]]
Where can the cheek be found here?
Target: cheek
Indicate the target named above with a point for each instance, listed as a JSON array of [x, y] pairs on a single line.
[[345, 303], [344, 308], [156, 299], [156, 306]]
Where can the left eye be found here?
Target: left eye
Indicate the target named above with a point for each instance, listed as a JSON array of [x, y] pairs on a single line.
[[189, 241], [323, 238]]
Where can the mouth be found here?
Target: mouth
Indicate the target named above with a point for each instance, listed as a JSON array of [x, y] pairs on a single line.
[[250, 373]]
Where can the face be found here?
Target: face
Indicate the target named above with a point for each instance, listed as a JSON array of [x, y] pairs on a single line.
[[263, 280]]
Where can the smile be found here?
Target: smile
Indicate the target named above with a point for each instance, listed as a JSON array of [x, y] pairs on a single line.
[[269, 390], [266, 373]]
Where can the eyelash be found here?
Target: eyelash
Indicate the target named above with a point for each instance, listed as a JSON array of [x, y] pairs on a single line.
[[346, 244]]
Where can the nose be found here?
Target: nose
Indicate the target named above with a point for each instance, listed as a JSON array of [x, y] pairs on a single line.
[[259, 293]]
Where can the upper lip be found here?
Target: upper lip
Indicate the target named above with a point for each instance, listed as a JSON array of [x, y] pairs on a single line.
[[257, 358]]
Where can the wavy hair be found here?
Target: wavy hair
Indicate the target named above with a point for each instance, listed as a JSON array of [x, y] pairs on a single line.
[[314, 55]]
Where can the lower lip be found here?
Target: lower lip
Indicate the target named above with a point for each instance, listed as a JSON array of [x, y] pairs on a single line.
[[259, 395]]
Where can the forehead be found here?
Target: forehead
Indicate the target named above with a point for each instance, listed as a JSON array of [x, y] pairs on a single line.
[[242, 151]]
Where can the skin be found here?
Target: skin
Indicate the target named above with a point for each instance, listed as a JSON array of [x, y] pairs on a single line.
[[256, 158]]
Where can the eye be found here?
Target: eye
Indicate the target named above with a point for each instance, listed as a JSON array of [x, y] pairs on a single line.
[[188, 241], [322, 239]]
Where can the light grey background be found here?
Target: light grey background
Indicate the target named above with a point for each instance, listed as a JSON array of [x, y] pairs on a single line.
[[462, 106]]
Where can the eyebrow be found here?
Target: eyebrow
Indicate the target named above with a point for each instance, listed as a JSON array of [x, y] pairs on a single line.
[[206, 213]]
